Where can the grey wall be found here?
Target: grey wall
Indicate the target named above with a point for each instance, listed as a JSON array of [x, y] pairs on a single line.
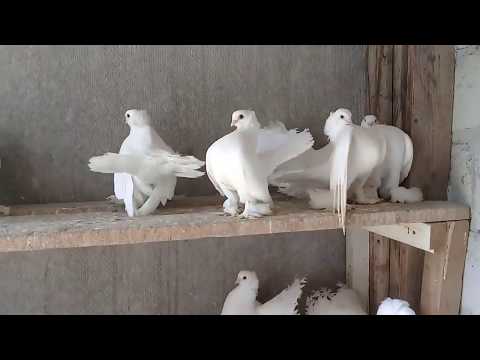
[[465, 170], [60, 105], [183, 277]]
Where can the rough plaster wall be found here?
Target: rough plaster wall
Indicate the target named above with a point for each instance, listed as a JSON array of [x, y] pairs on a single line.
[[464, 183], [184, 277], [63, 104]]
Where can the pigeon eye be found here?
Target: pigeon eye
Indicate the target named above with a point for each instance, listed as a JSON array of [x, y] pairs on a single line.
[[244, 278], [341, 116], [241, 117], [128, 115]]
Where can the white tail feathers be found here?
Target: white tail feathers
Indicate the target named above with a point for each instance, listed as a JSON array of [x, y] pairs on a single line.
[[320, 199], [186, 166], [295, 144], [339, 175], [285, 303], [148, 168], [404, 195], [408, 158], [395, 307]]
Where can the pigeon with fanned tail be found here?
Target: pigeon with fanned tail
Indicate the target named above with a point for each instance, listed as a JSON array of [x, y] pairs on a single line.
[[242, 300], [146, 168], [342, 301], [345, 301], [240, 163]]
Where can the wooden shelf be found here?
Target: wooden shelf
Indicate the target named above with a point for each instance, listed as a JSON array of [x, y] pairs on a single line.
[[52, 226]]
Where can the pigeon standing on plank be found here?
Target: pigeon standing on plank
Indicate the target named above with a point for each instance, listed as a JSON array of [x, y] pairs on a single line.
[[397, 163], [146, 168], [240, 163], [242, 300]]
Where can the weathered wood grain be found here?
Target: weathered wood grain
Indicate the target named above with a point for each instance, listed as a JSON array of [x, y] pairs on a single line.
[[379, 103], [18, 233], [443, 270], [379, 263]]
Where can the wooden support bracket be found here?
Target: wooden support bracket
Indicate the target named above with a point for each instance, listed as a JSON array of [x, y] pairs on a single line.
[[418, 235]]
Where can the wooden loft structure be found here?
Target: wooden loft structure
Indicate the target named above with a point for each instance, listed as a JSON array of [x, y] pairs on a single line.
[[415, 252], [438, 228]]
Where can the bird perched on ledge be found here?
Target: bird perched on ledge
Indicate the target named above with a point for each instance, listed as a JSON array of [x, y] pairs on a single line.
[[146, 168], [242, 299], [239, 163]]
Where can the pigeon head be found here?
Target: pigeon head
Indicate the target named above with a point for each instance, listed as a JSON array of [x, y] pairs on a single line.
[[336, 122], [247, 279], [137, 118], [368, 121], [243, 119]]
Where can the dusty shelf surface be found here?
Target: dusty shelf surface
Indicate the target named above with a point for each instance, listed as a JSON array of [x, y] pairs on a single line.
[[70, 225]]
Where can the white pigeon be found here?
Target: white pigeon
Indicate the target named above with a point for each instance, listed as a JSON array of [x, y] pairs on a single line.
[[358, 155], [395, 307], [368, 121], [146, 168], [352, 150], [242, 300], [397, 163], [343, 301], [308, 175], [239, 163]]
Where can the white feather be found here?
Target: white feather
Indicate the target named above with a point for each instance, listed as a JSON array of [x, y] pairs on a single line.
[[404, 195], [395, 307], [343, 301]]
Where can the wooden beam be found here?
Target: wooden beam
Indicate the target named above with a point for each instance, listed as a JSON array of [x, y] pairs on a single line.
[[417, 235], [178, 221], [379, 103], [443, 271], [379, 265]]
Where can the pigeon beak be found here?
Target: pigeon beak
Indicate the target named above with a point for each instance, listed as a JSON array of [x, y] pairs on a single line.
[[237, 282], [234, 122]]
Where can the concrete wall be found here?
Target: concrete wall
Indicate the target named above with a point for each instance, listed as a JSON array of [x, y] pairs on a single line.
[[182, 277], [464, 183], [62, 104]]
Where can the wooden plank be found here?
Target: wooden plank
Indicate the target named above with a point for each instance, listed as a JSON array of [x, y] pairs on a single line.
[[406, 267], [413, 234], [443, 270], [357, 263], [182, 222], [379, 264]]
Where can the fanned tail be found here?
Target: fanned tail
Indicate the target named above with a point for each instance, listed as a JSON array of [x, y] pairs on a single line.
[[147, 167], [285, 303], [186, 166]]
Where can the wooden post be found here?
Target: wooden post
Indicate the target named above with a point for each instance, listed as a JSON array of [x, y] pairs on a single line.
[[423, 81], [411, 87], [443, 270], [379, 103], [379, 266]]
